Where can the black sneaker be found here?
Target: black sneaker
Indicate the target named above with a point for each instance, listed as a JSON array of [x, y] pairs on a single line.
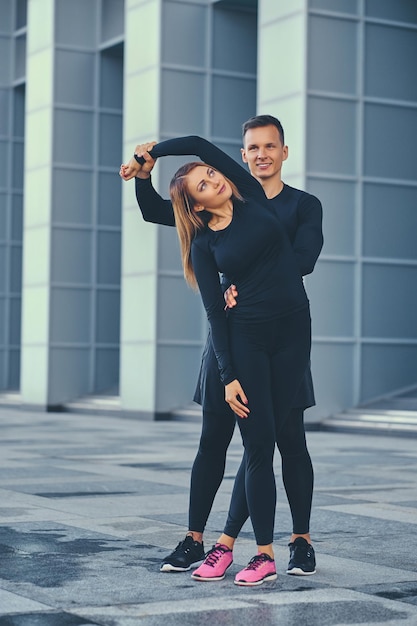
[[187, 553], [302, 558]]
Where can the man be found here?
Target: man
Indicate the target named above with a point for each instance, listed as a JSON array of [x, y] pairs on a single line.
[[264, 151]]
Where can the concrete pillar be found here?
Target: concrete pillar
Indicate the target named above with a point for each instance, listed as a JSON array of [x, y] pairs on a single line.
[[71, 269], [181, 77], [12, 107]]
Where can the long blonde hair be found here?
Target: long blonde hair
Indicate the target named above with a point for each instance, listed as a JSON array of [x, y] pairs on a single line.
[[187, 220]]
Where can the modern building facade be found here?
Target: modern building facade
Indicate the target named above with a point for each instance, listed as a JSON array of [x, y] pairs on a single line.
[[92, 299]]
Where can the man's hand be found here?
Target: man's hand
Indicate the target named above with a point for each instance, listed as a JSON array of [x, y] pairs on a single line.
[[236, 399], [135, 169], [142, 150], [230, 296]]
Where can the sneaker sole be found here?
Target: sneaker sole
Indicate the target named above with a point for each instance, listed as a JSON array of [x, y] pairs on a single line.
[[172, 568], [297, 571], [167, 567], [243, 583], [207, 580]]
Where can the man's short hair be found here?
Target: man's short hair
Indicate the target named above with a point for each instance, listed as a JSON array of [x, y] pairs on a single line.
[[263, 120]]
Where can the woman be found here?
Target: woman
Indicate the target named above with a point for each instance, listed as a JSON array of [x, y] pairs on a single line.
[[262, 347]]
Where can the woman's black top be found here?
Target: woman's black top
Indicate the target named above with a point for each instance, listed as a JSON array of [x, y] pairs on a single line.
[[253, 251]]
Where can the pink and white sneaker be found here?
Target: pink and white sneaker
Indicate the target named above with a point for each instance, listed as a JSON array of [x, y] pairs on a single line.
[[259, 569], [217, 561]]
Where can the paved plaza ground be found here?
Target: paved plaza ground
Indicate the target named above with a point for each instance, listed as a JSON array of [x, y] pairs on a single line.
[[90, 504]]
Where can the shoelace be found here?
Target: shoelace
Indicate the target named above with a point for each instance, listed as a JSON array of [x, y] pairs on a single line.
[[214, 555], [257, 561]]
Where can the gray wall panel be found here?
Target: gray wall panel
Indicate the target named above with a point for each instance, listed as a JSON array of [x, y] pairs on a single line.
[[111, 77], [71, 251], [74, 77], [19, 111], [234, 40], [70, 374], [112, 19], [3, 212], [184, 34], [13, 373], [342, 6], [3, 268], [108, 209], [6, 57], [4, 163], [106, 368], [390, 133], [332, 366], [6, 15], [169, 257], [4, 108], [389, 48], [390, 301], [17, 164], [234, 101], [183, 95], [73, 137], [110, 149], [15, 320], [387, 368], [331, 143], [15, 261], [179, 310], [398, 11], [107, 313], [17, 217], [331, 292], [75, 207], [108, 258], [20, 57], [3, 304], [338, 40], [76, 22], [339, 217], [176, 364], [390, 221], [70, 317]]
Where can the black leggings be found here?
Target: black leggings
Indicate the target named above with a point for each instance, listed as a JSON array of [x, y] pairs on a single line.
[[288, 430], [209, 464]]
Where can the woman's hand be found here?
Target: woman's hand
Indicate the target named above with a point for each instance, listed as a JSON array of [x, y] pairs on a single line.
[[236, 399], [129, 170], [133, 168], [230, 296]]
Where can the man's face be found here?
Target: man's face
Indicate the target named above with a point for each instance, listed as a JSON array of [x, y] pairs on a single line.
[[263, 152]]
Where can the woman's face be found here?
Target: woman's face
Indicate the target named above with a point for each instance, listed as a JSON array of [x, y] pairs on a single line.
[[208, 188]]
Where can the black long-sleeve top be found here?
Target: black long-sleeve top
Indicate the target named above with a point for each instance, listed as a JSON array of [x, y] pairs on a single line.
[[300, 213], [253, 251]]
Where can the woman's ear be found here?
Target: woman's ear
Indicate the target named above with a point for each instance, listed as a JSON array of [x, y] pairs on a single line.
[[198, 208]]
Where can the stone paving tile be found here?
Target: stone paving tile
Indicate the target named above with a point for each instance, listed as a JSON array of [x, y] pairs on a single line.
[[89, 488], [89, 505], [51, 618], [303, 607], [13, 603]]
